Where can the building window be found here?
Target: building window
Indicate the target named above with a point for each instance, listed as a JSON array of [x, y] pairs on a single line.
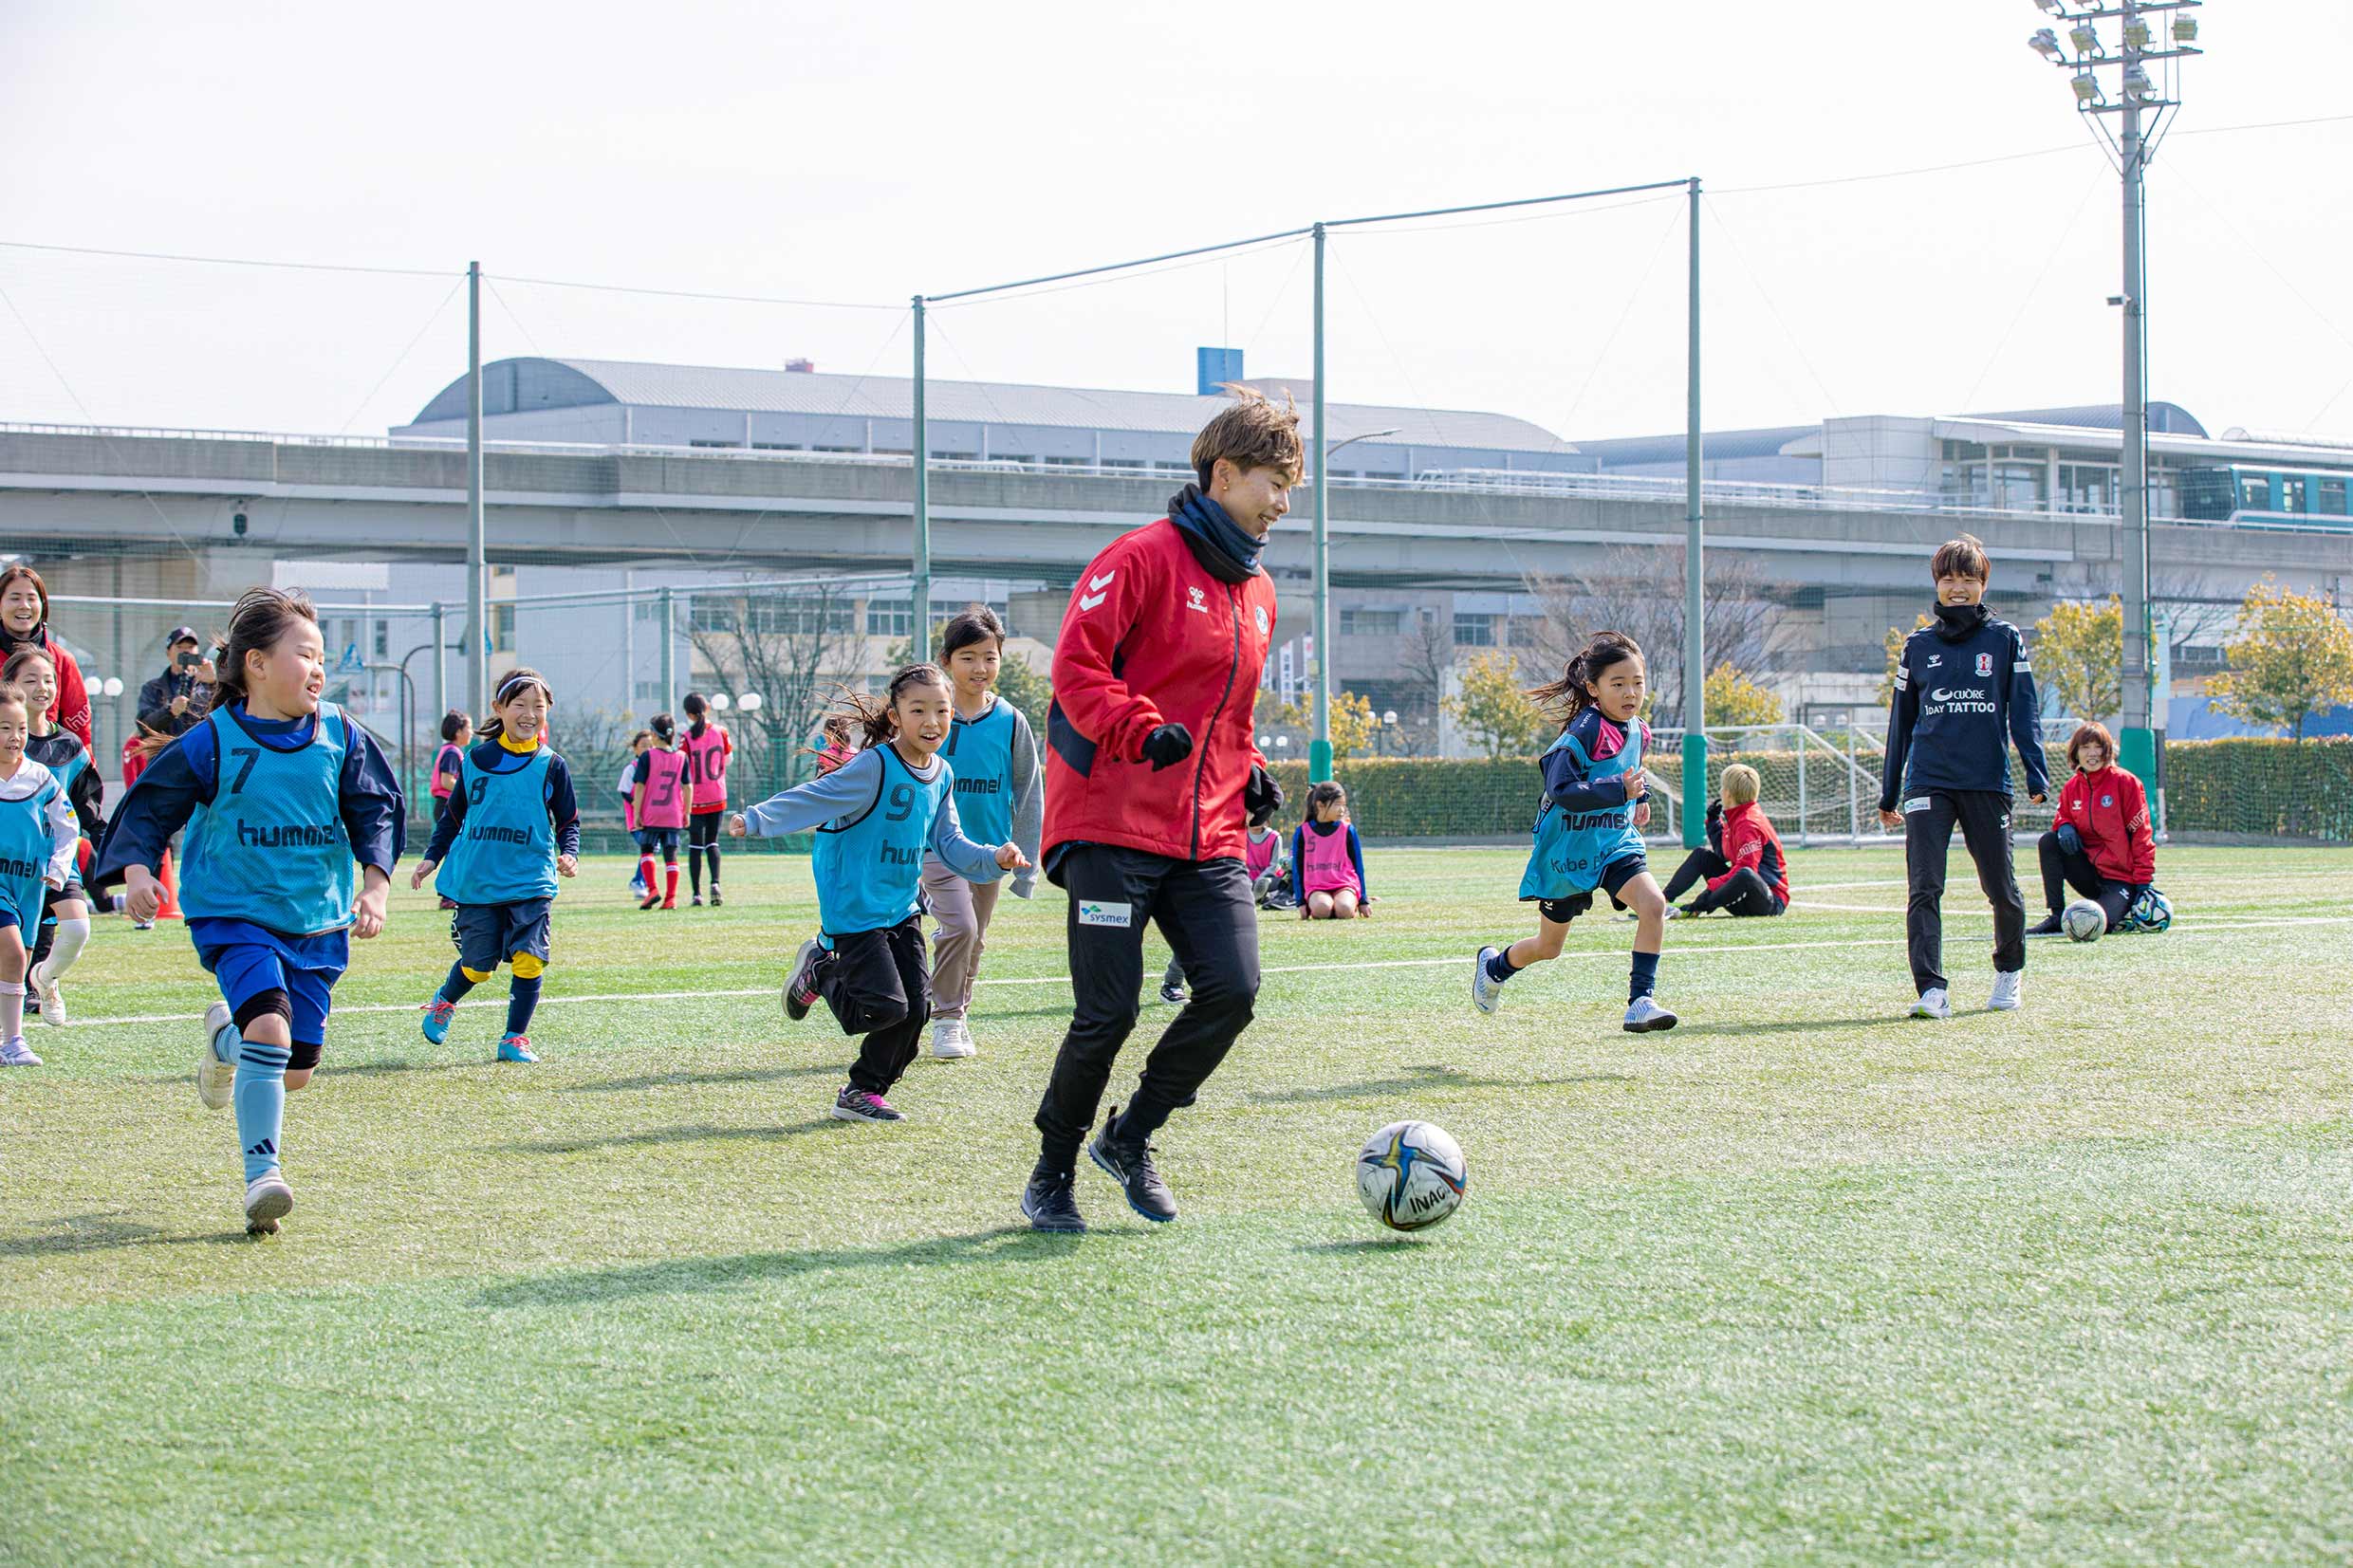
[[1355, 622], [889, 618], [502, 627], [383, 640], [1122, 462], [2291, 494], [1012, 457], [707, 614], [793, 618], [775, 446], [1526, 631], [1067, 462], [844, 448], [2254, 492], [729, 444], [955, 456], [2332, 502], [1474, 630]]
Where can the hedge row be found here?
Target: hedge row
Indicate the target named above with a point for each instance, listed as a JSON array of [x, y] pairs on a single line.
[[2274, 788]]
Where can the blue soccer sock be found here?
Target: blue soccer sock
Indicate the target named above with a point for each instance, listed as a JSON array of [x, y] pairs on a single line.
[[1646, 979], [259, 1095], [227, 1042], [522, 999], [1500, 967], [457, 984]]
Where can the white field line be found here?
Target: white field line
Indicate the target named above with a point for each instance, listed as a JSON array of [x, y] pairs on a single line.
[[1680, 953]]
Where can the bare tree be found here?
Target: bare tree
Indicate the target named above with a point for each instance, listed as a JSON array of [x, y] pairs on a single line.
[[1639, 590], [1425, 656], [792, 646]]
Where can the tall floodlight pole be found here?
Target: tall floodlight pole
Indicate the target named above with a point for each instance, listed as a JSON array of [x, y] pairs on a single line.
[[919, 593], [1695, 569], [1320, 749], [2084, 52], [477, 550]]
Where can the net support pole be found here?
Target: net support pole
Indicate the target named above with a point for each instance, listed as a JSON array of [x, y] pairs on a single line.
[[669, 652], [1320, 664], [1695, 575], [478, 548], [440, 662], [919, 590], [2137, 747]]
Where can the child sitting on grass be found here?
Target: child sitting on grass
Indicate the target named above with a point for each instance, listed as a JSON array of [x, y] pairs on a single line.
[[1327, 859]]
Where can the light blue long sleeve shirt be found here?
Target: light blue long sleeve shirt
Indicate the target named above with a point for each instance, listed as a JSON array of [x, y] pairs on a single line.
[[848, 790]]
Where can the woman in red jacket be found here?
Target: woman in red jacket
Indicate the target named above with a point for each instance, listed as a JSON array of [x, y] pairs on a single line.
[[24, 623], [2102, 845], [1751, 876], [1151, 773]]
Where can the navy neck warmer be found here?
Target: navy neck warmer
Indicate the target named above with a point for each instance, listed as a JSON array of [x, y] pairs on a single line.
[[1223, 546]]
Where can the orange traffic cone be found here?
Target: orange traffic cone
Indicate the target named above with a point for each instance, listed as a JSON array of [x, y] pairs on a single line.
[[169, 909]]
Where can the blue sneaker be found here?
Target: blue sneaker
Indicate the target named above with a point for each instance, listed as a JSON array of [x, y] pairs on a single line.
[[516, 1048], [437, 1015]]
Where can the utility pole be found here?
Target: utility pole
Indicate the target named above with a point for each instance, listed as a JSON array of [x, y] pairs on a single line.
[[920, 592], [1694, 570], [1320, 749], [2084, 52], [477, 550]]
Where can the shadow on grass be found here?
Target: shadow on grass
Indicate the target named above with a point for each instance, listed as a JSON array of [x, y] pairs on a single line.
[[1367, 1246], [1811, 1026], [732, 1075], [1016, 1243], [1430, 1077], [99, 1233], [653, 1136]]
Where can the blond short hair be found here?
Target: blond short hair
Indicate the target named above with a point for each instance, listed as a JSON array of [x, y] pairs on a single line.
[[1253, 432], [1741, 785]]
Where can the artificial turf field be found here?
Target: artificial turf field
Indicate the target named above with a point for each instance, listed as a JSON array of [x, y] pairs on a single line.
[[1799, 1282]]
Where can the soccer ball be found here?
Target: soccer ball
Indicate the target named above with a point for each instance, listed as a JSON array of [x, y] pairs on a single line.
[[2084, 921], [2151, 911], [1411, 1175]]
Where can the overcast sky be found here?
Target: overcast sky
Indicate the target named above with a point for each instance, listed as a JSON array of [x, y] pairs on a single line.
[[859, 153]]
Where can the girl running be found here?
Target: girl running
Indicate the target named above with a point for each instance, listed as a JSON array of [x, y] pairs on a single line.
[[65, 913], [36, 857], [628, 787], [512, 828], [1588, 836], [280, 793], [875, 815], [707, 746], [457, 735], [665, 793], [1000, 799], [1330, 858]]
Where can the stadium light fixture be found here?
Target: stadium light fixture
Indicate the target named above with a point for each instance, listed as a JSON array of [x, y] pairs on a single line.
[[2137, 84], [2085, 38], [2087, 88], [2050, 6], [2138, 34], [2044, 43], [2185, 29]]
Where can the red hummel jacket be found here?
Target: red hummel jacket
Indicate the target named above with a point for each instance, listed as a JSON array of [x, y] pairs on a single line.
[[1150, 638], [2111, 810], [1749, 841]]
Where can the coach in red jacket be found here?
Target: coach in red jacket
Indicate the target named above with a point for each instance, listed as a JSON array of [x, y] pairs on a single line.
[[1151, 775], [2102, 845]]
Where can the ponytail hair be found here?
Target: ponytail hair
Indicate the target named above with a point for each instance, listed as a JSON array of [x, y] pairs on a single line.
[[1567, 696], [504, 690], [665, 728], [261, 617], [868, 716]]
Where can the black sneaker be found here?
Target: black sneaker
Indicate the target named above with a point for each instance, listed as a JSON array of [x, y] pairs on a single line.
[[1130, 1164], [699, 901], [716, 900], [1175, 995], [801, 990], [856, 1104], [1047, 1203], [2048, 926]]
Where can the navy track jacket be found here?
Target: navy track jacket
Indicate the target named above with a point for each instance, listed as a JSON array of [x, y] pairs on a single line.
[[1963, 689]]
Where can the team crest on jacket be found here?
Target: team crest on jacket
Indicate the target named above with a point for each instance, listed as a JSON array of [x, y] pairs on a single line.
[[1985, 664], [1259, 611]]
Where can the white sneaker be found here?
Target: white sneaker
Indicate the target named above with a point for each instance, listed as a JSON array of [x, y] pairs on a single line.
[[216, 1078], [1644, 1014], [2006, 988], [1486, 990], [15, 1053], [52, 1001], [1932, 1004], [268, 1200], [951, 1038]]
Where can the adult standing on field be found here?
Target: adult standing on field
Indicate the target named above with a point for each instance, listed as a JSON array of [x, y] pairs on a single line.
[[1151, 773], [24, 623], [176, 701]]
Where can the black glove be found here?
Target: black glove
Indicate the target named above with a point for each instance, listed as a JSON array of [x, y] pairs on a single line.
[[2070, 840], [1168, 746], [1262, 797]]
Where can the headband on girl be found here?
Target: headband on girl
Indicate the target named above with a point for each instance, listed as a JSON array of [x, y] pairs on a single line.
[[515, 683]]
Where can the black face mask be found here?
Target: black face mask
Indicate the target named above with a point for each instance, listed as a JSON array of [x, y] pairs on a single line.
[[1958, 623]]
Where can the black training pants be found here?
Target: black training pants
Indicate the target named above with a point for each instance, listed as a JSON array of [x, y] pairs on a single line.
[[1747, 893], [1984, 818], [702, 837], [2062, 871], [879, 986], [1205, 911], [1697, 867]]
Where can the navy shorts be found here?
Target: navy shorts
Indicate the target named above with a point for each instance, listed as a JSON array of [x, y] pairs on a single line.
[[246, 969], [72, 890], [491, 934], [659, 840], [1614, 875]]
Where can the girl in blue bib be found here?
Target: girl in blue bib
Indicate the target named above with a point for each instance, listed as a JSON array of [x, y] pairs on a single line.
[[1588, 835], [36, 855], [874, 817], [293, 819], [511, 828]]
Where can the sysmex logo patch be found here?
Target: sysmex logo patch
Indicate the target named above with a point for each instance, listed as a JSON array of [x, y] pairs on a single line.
[[1093, 913]]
